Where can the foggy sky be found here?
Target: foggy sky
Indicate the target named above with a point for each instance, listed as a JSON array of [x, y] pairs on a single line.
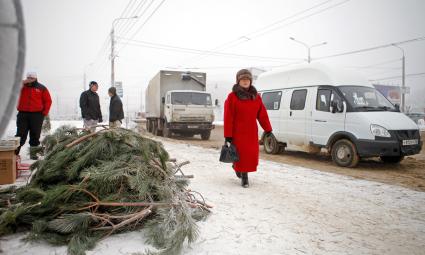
[[64, 37]]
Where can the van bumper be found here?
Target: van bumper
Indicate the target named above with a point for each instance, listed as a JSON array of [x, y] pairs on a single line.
[[377, 148]]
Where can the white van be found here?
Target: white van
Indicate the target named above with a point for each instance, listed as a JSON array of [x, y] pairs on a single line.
[[314, 106]]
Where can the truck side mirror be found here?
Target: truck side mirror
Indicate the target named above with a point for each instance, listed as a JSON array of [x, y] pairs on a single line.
[[397, 107], [163, 100], [216, 102]]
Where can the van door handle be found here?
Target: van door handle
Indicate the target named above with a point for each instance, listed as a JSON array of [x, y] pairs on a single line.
[[320, 120]]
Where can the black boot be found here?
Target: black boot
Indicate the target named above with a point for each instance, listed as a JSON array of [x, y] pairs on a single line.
[[238, 174], [244, 180], [34, 150]]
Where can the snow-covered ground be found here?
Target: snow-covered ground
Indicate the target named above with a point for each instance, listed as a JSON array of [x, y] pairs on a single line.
[[287, 210]]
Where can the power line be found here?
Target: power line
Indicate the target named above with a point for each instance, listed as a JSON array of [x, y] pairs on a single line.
[[262, 31], [398, 76], [129, 24], [372, 48], [123, 13], [302, 18], [144, 23], [198, 51]]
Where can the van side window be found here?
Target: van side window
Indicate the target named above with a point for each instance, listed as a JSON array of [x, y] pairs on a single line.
[[298, 99], [323, 101], [271, 100]]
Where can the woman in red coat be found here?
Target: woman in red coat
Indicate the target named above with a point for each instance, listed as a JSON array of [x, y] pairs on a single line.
[[242, 109]]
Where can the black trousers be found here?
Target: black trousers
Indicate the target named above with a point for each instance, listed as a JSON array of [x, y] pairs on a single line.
[[31, 122]]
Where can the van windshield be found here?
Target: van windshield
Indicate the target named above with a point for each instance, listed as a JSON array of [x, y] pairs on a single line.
[[185, 98], [366, 99]]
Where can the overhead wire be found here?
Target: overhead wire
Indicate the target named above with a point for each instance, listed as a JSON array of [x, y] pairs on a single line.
[[198, 51], [144, 23]]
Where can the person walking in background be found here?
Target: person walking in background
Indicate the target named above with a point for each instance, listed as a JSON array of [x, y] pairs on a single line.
[[33, 105], [116, 112], [90, 107], [242, 108]]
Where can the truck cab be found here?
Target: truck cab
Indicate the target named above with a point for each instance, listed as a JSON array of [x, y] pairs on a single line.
[[188, 112]]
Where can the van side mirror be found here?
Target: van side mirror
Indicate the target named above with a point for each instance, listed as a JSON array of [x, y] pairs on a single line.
[[163, 100], [397, 107], [216, 102], [337, 106]]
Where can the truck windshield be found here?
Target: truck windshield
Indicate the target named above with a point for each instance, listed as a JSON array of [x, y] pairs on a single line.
[[366, 99], [193, 98]]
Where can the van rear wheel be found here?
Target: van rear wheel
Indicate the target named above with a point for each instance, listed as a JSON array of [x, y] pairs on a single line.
[[344, 153], [271, 145], [392, 160]]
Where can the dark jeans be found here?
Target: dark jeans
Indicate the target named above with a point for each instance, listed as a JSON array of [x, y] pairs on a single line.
[[29, 122]]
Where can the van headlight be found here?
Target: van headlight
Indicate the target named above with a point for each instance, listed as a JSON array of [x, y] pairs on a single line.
[[379, 131]]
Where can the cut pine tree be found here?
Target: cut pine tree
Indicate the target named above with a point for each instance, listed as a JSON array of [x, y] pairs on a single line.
[[89, 186]]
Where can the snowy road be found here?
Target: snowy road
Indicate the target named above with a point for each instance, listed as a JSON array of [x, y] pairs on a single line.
[[287, 210]]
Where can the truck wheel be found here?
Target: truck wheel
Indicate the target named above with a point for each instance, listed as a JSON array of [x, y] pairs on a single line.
[[166, 131], [154, 128], [148, 126], [392, 160], [271, 145], [206, 135], [344, 153]]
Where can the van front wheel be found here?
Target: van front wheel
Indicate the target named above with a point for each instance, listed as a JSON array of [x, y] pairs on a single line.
[[271, 145], [344, 153]]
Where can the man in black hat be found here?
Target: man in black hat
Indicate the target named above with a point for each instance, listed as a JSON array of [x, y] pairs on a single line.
[[116, 112], [90, 107]]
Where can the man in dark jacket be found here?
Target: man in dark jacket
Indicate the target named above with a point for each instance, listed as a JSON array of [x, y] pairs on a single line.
[[116, 112], [33, 105], [90, 107]]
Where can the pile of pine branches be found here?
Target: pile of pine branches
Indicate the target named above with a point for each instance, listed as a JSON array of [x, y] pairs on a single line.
[[92, 185]]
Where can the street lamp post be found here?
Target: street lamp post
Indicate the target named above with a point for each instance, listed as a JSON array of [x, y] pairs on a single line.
[[113, 47], [308, 47], [403, 78]]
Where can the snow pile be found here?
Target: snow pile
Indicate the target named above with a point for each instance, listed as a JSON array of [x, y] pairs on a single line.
[[286, 210]]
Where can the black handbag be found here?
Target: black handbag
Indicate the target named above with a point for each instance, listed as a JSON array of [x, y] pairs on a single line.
[[229, 154]]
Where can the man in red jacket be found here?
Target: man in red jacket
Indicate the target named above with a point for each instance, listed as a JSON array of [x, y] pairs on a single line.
[[33, 105]]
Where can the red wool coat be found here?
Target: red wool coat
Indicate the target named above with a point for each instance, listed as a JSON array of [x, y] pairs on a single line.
[[240, 123]]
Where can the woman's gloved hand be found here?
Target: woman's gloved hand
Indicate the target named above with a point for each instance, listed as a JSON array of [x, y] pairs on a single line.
[[228, 140], [270, 134]]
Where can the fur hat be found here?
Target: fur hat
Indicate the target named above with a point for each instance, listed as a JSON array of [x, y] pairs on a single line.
[[243, 74]]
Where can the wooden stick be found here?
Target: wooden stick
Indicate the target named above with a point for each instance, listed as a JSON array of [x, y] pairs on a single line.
[[79, 140], [130, 204], [189, 176], [138, 216]]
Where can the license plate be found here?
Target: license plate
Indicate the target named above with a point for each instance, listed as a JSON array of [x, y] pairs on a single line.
[[410, 142], [192, 126]]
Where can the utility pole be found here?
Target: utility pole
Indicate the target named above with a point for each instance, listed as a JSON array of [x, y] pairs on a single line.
[[113, 48], [403, 78], [112, 57], [308, 47]]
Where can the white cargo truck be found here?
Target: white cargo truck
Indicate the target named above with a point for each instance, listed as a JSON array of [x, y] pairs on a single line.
[[316, 106], [176, 103]]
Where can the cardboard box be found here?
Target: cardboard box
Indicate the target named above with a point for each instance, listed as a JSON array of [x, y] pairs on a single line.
[[7, 167]]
